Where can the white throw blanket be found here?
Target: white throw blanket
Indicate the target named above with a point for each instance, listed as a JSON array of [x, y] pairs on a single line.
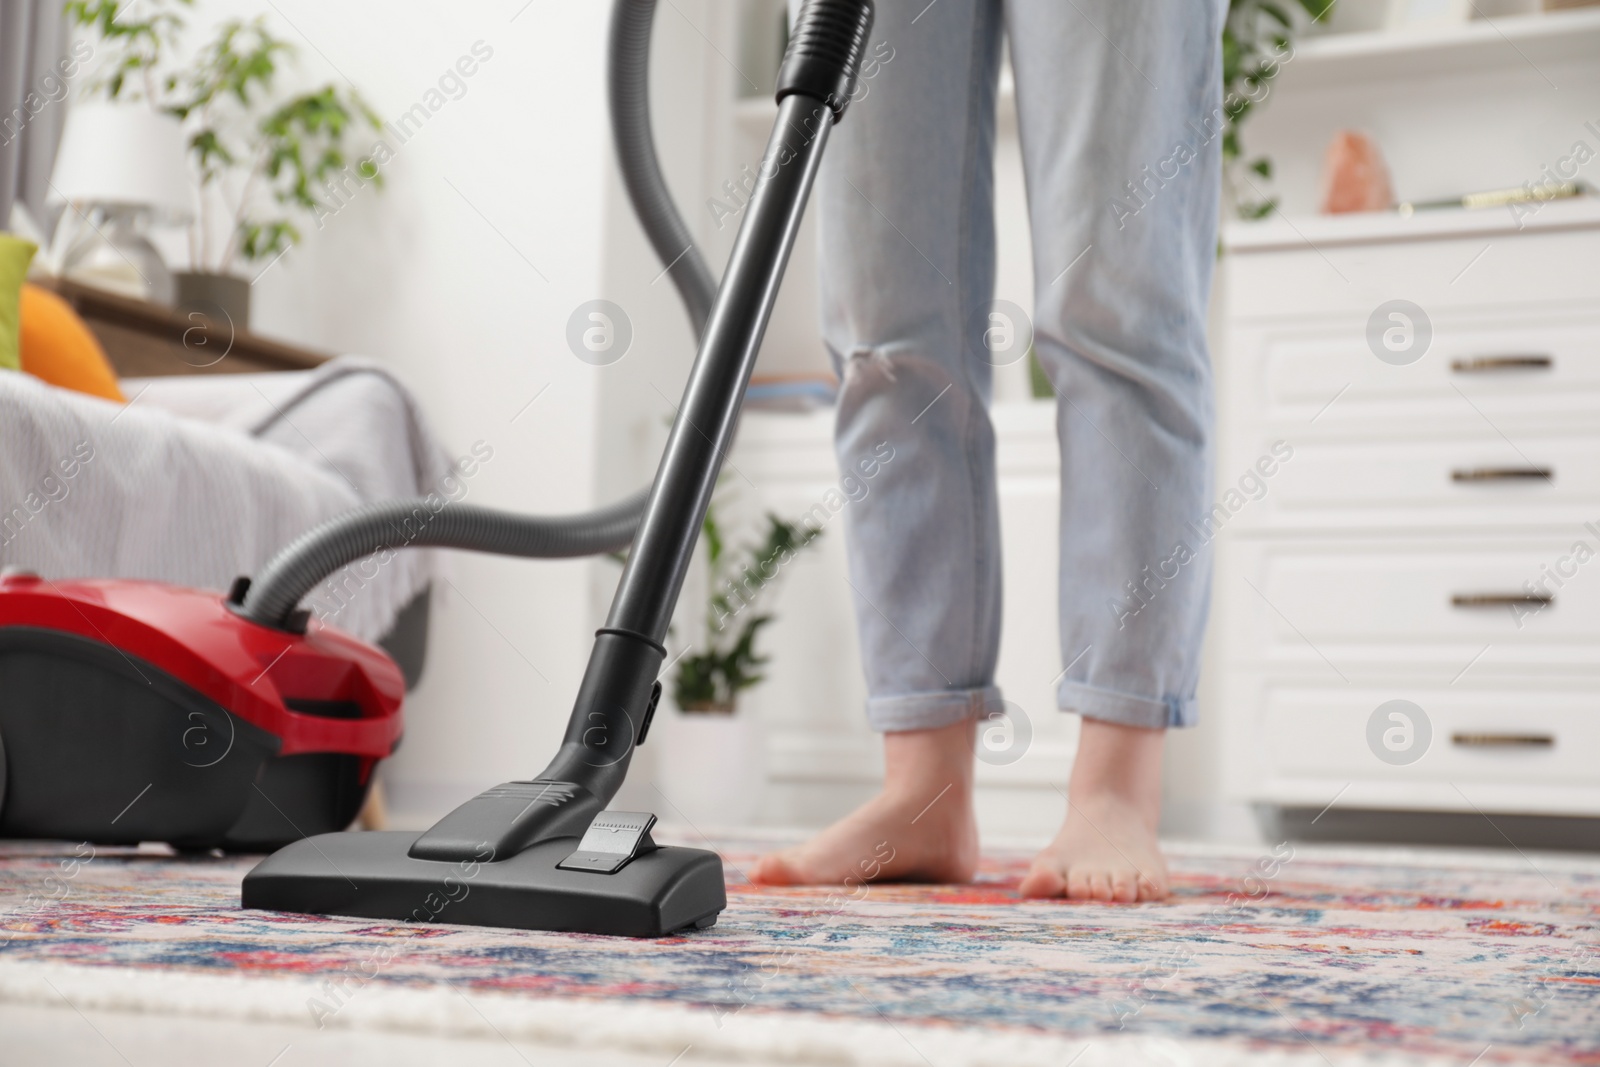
[[200, 479]]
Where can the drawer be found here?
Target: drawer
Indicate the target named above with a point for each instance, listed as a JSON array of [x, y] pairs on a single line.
[[1340, 604], [1462, 480], [1479, 373], [1474, 734], [1471, 261]]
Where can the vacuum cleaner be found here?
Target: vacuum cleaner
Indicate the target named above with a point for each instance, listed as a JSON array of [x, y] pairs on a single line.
[[134, 711]]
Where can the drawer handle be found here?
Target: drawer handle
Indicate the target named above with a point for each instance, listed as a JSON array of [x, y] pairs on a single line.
[[1501, 600], [1501, 474], [1479, 364], [1503, 740]]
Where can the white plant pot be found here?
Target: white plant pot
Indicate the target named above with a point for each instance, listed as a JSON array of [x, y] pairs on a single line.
[[710, 767]]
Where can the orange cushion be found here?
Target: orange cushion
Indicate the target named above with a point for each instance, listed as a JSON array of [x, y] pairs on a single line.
[[58, 347]]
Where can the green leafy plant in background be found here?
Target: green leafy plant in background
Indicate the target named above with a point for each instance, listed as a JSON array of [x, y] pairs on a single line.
[[1256, 39], [262, 158], [711, 680], [136, 41]]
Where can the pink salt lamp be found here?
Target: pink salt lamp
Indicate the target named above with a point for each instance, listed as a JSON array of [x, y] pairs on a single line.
[[1354, 176]]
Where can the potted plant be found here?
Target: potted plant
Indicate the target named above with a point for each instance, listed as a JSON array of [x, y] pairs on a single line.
[[1256, 41], [713, 763], [262, 159], [709, 682]]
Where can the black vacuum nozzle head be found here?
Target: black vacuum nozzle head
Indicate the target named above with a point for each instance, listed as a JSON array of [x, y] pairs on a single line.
[[825, 51]]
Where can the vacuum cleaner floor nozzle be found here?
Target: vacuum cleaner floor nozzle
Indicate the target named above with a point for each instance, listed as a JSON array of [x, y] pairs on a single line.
[[659, 891]]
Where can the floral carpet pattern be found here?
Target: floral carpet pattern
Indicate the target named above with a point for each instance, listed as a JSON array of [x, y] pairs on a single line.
[[1465, 958]]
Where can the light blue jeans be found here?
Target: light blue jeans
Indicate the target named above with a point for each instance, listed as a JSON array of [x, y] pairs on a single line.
[[1119, 119]]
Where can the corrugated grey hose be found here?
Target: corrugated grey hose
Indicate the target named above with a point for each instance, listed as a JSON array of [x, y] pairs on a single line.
[[273, 597], [628, 87]]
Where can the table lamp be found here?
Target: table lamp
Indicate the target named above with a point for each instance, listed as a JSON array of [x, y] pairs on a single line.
[[121, 169]]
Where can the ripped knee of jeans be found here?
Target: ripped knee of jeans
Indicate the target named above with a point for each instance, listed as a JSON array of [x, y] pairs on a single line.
[[867, 363]]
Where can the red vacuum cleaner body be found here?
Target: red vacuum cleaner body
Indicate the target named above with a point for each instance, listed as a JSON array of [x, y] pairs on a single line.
[[138, 711]]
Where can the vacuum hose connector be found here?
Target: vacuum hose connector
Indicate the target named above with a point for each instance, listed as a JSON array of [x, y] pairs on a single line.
[[826, 46]]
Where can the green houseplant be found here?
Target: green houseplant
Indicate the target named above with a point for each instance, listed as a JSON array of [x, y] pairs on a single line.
[[263, 159], [711, 676], [709, 762], [1257, 39]]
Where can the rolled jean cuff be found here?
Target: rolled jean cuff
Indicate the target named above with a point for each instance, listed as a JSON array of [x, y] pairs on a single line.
[[933, 710], [1125, 709]]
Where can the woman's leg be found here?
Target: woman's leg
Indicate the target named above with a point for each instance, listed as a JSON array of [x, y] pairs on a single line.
[[1120, 125], [906, 231]]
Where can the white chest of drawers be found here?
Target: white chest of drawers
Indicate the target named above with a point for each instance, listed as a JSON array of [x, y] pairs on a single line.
[[1435, 536]]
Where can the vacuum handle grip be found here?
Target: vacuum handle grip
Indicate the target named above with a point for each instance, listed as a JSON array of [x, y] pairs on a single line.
[[825, 51]]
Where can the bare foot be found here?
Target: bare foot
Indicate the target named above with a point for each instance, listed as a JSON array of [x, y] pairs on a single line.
[[920, 828], [1106, 849]]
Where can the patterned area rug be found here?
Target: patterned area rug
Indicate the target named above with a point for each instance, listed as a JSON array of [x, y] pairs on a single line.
[[1285, 955]]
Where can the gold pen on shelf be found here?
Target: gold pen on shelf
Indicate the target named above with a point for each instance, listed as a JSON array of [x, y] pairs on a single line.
[[1521, 194]]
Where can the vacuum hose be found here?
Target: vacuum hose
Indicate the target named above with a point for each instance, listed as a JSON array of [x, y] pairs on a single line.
[[295, 571], [273, 597], [628, 89]]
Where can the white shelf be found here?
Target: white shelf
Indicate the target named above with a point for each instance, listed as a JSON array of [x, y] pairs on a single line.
[[1382, 227], [1529, 41]]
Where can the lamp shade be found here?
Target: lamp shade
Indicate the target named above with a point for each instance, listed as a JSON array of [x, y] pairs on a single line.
[[124, 154]]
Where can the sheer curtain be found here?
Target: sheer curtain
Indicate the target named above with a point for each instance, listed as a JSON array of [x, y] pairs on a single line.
[[33, 108]]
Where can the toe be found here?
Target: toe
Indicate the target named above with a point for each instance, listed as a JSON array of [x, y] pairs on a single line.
[[1078, 884], [774, 869], [1124, 886], [1043, 880], [1100, 886], [1151, 890]]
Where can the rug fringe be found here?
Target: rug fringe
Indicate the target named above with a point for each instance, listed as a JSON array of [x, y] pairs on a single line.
[[748, 1036]]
